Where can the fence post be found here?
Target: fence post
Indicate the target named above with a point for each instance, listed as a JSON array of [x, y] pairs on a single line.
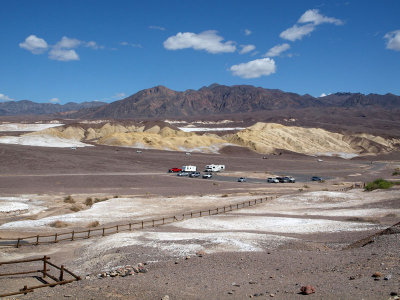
[[191, 214], [55, 238], [103, 231], [24, 289], [209, 212], [44, 266], [183, 216], [237, 206], [163, 221], [130, 227], [117, 229], [62, 273], [72, 235], [142, 225], [18, 242], [88, 234], [37, 240], [224, 208], [200, 213]]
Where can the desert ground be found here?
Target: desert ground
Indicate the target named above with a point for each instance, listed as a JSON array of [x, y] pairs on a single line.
[[308, 234]]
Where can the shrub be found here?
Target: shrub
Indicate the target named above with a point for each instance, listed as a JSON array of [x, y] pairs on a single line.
[[59, 224], [224, 195], [100, 200], [93, 224], [69, 199], [306, 186], [378, 184], [300, 190], [396, 172], [89, 201], [75, 208]]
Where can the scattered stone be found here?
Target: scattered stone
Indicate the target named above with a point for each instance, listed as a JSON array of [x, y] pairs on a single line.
[[272, 295], [67, 296], [307, 289], [166, 297], [177, 262], [393, 294], [128, 270], [235, 284], [252, 282], [387, 277], [200, 253], [377, 275], [352, 277], [230, 293], [187, 257]]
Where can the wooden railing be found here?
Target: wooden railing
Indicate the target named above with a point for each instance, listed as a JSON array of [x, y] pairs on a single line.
[[65, 276]]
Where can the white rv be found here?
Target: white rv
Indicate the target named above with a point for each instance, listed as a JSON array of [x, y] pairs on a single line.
[[215, 168], [188, 168]]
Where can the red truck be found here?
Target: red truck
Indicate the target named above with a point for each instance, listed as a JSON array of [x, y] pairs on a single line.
[[174, 170]]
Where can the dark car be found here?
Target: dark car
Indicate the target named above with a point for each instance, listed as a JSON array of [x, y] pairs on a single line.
[[283, 179], [290, 179], [316, 178], [194, 174], [242, 179]]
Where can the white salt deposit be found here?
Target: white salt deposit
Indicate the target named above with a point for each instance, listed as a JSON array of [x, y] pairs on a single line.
[[196, 129], [26, 127], [41, 141], [20, 206]]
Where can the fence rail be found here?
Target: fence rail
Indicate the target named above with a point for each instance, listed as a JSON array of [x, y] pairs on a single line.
[[137, 225], [60, 279]]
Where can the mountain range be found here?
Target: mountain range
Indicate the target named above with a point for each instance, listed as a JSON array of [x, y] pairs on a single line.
[[161, 102]]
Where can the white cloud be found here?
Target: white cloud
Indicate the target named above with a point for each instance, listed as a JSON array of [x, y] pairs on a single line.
[[63, 54], [246, 48], [297, 32], [124, 43], [93, 45], [34, 44], [255, 68], [54, 100], [393, 40], [247, 32], [157, 27], [313, 16], [119, 95], [207, 40], [131, 44], [5, 98], [68, 43], [277, 50]]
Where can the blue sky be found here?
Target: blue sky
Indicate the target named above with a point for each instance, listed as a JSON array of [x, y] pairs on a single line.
[[61, 51]]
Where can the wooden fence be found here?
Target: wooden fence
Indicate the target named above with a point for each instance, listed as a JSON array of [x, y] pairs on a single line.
[[140, 224], [65, 276]]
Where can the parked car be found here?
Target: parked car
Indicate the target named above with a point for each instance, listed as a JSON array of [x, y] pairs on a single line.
[[242, 179], [194, 174], [290, 179], [175, 170], [183, 174], [272, 180], [316, 178], [207, 175], [282, 179]]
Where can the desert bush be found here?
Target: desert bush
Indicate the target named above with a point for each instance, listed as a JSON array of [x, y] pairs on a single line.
[[224, 195], [89, 201], [116, 196], [100, 199], [215, 183], [300, 190], [391, 215], [69, 199], [396, 172], [306, 186], [93, 224], [378, 184], [59, 224], [363, 219], [75, 208]]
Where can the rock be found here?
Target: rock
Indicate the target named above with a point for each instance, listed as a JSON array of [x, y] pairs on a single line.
[[272, 295], [377, 274], [166, 297], [200, 253], [136, 270], [230, 293], [352, 277], [140, 265], [142, 270], [307, 289], [252, 282], [187, 257], [393, 294], [67, 296], [177, 262], [235, 284], [388, 277]]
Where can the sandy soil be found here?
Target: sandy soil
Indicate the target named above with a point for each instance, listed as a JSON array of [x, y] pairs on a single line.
[[269, 250]]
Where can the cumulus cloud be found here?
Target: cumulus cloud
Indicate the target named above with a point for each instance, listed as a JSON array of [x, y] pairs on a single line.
[[157, 27], [5, 98], [54, 100], [393, 40], [207, 40], [93, 45], [255, 68], [34, 44], [247, 32], [67, 43], [313, 16], [63, 54], [277, 50], [297, 32], [246, 48]]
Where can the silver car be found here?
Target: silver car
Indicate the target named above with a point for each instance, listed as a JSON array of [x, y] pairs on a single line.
[[272, 180]]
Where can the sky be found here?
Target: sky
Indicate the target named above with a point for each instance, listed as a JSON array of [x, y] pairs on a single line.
[[87, 50]]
